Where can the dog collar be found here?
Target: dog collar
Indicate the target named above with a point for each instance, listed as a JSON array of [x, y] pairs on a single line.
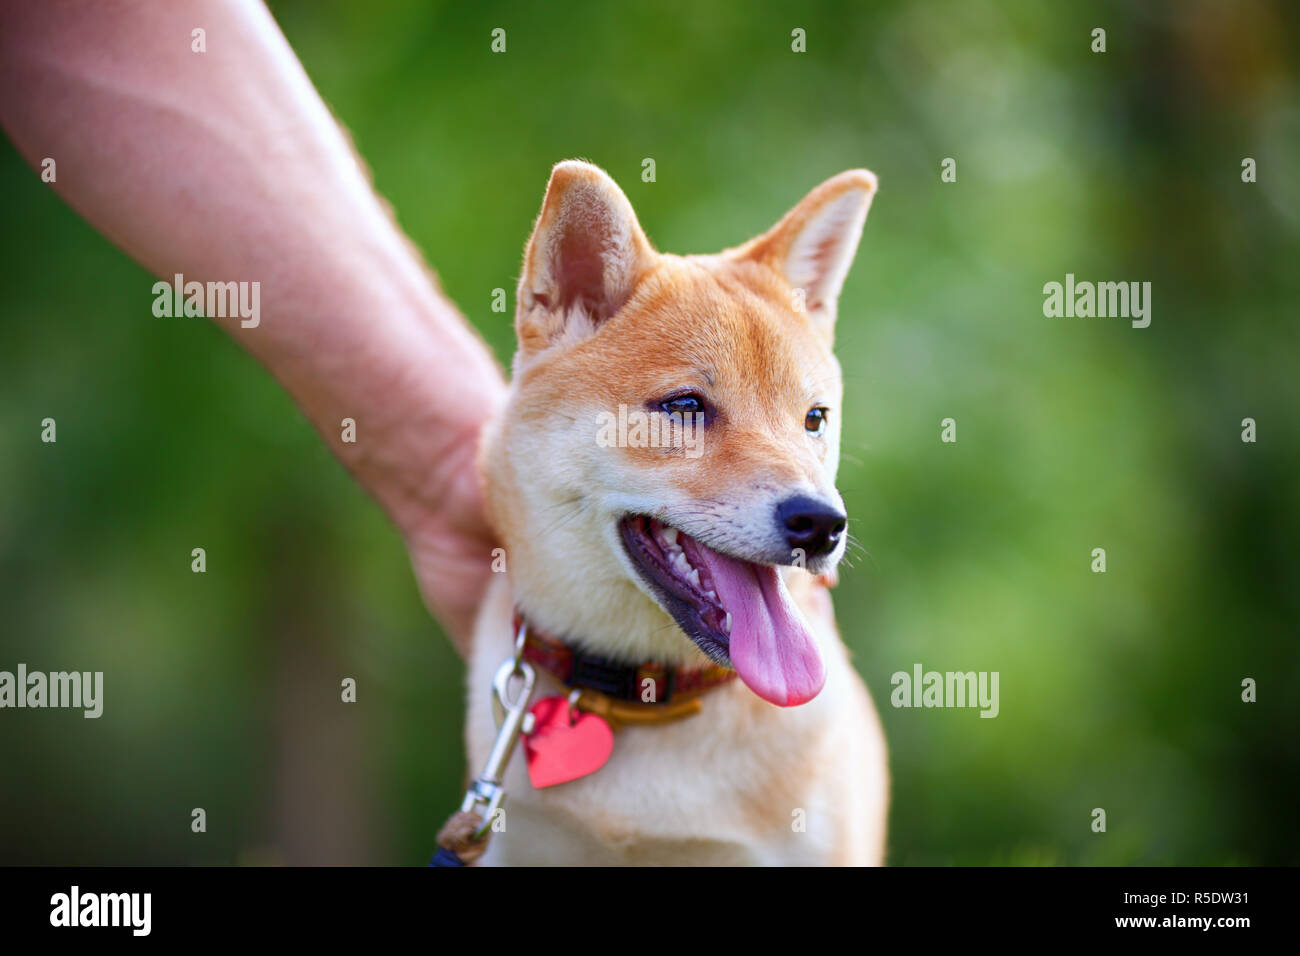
[[646, 693]]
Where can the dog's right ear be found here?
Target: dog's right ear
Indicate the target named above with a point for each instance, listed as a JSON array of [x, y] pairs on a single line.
[[583, 260]]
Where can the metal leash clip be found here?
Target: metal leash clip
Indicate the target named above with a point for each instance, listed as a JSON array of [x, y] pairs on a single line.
[[512, 719]]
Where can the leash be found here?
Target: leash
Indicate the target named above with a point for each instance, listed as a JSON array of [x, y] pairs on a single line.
[[463, 839], [566, 737]]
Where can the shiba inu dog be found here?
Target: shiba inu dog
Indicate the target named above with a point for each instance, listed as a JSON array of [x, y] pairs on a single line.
[[629, 559]]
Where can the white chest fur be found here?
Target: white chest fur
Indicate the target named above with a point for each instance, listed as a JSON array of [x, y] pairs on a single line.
[[742, 782]]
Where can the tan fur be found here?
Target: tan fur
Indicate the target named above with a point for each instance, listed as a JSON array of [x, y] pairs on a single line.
[[731, 784]]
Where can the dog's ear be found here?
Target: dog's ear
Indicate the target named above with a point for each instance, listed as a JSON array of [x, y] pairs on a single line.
[[813, 246], [583, 260]]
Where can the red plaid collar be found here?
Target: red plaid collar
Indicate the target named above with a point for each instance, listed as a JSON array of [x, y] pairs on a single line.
[[578, 669]]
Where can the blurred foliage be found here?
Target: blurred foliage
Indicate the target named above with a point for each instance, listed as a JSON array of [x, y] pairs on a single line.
[[1119, 691]]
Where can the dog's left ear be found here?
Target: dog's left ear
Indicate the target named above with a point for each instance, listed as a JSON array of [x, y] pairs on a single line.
[[813, 246]]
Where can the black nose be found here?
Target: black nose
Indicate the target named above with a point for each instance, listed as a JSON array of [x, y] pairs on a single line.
[[811, 525]]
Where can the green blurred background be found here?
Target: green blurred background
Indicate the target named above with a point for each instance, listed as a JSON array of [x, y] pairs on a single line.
[[1118, 690]]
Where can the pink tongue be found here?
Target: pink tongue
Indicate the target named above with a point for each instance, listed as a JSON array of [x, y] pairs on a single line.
[[771, 646]]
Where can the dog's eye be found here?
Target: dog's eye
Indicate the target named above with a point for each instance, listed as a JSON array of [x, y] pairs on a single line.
[[815, 420], [683, 405]]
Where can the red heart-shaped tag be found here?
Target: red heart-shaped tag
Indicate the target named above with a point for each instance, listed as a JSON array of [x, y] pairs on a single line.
[[560, 748]]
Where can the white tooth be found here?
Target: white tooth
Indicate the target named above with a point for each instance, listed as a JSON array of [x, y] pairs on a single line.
[[681, 564], [726, 624], [670, 535], [694, 577]]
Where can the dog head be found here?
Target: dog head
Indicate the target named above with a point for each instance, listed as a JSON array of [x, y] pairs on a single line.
[[672, 436]]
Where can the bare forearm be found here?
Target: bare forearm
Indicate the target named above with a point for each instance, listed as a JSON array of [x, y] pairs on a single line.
[[225, 166]]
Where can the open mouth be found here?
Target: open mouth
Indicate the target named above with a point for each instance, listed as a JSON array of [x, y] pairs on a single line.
[[738, 612]]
